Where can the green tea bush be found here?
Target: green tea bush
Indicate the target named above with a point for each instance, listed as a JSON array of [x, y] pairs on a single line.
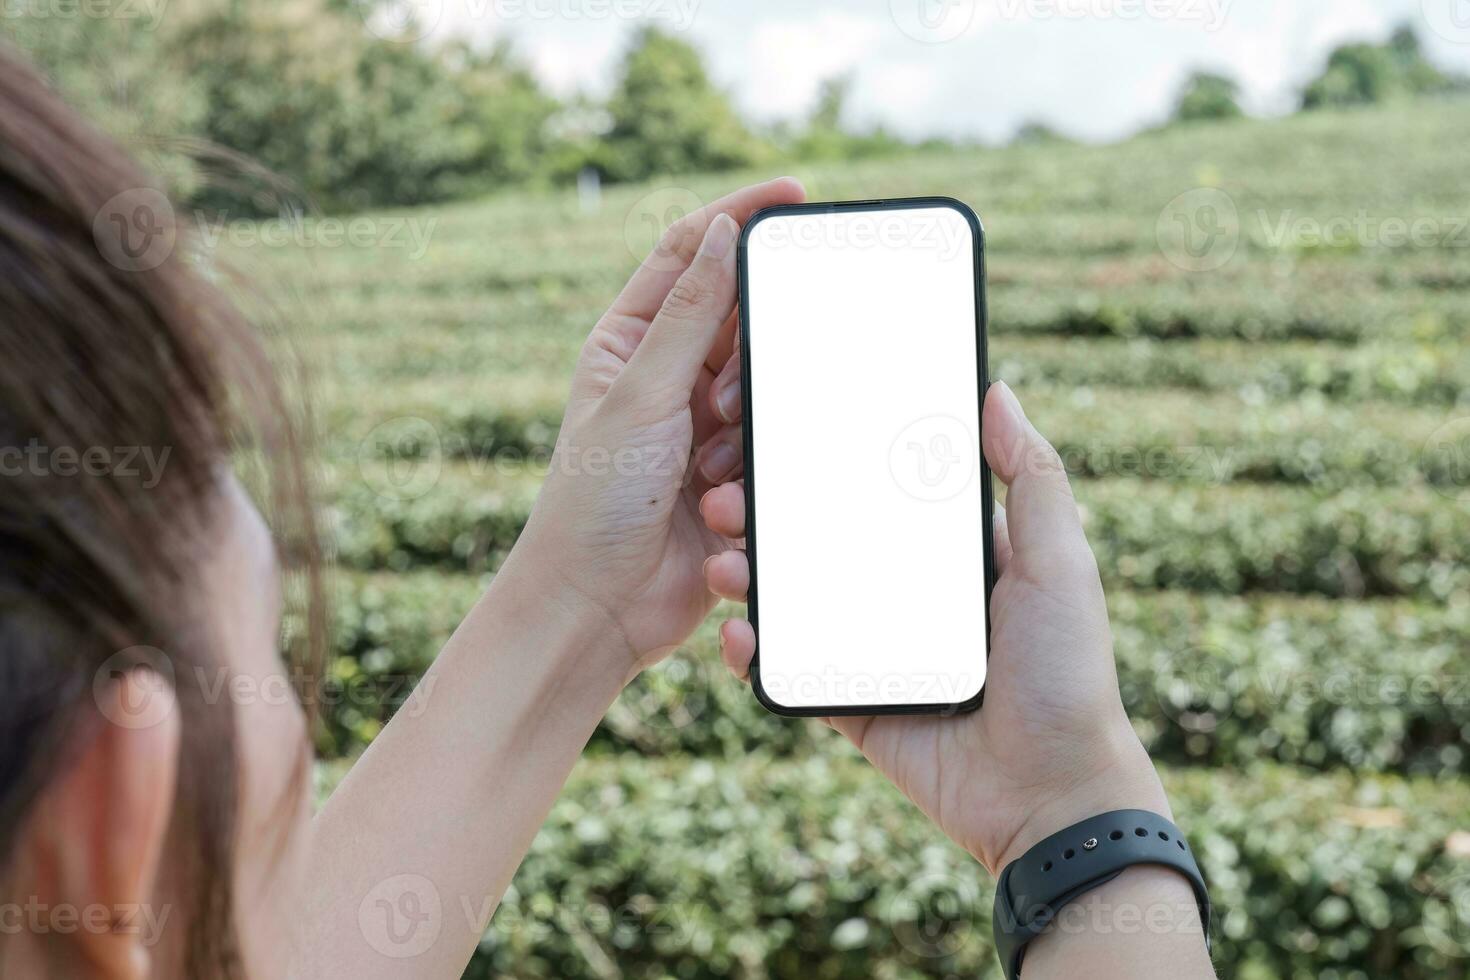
[[1266, 459], [819, 868], [1102, 432], [1147, 534], [1216, 680]]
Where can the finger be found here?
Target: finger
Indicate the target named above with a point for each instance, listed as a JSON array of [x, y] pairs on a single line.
[[724, 391], [725, 343], [1002, 534], [1041, 518], [722, 458], [671, 354], [702, 402], [645, 292], [728, 575], [737, 647], [724, 510], [706, 422]]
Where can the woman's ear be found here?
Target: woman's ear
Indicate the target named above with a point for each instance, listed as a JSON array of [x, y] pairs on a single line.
[[99, 829]]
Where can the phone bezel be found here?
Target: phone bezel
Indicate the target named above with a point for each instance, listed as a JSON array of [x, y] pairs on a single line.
[[747, 398]]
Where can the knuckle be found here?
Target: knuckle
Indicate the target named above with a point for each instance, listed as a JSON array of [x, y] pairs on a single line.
[[1043, 463], [1046, 461], [690, 295], [682, 237]]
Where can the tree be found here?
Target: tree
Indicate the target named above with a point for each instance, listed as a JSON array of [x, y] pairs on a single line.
[[1207, 95], [825, 136], [1360, 74], [1035, 132], [668, 118]]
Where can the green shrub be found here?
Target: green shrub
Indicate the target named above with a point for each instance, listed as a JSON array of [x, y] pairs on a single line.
[[1207, 679], [1147, 534], [819, 868], [1100, 432]]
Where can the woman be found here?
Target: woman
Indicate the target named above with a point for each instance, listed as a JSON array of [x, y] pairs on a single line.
[[155, 799]]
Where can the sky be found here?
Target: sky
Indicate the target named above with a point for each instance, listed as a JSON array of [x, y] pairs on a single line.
[[975, 69]]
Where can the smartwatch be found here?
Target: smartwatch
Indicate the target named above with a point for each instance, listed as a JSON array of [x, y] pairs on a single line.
[[1072, 862]]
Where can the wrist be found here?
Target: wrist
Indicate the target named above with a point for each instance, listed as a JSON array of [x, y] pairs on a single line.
[[577, 633], [1118, 775], [1144, 923]]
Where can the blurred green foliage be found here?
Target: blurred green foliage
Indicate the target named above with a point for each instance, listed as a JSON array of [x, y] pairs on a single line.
[[656, 868], [298, 105], [291, 106], [1208, 95], [1361, 74], [668, 118], [1260, 455]]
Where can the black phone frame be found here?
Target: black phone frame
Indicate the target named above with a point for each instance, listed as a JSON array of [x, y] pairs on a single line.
[[748, 436]]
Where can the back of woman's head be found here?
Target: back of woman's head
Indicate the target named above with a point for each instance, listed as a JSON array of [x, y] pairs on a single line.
[[125, 379]]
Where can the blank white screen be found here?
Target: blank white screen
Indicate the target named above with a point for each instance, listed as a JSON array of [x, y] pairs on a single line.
[[865, 429]]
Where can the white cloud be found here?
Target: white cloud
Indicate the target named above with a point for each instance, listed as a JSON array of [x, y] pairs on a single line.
[[1097, 77], [569, 65], [788, 59]]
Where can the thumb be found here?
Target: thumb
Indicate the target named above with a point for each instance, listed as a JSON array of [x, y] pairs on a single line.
[[1040, 510], [672, 352]]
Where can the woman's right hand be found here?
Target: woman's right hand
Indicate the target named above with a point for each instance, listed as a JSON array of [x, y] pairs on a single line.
[[1052, 745]]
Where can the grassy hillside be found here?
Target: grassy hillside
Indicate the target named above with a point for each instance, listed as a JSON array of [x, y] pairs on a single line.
[[1272, 460]]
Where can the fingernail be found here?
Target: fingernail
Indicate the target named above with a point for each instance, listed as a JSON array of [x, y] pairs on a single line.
[[706, 565], [718, 461], [718, 236], [1011, 402], [727, 401]]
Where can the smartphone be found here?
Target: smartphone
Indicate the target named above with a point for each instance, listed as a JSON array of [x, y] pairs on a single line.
[[868, 500]]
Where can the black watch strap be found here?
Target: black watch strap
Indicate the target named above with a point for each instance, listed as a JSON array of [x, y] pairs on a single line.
[[1072, 862]]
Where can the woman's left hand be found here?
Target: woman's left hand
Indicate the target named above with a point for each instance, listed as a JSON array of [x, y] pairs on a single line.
[[617, 524]]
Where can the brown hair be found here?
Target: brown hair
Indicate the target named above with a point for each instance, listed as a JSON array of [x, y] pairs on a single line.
[[114, 342]]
